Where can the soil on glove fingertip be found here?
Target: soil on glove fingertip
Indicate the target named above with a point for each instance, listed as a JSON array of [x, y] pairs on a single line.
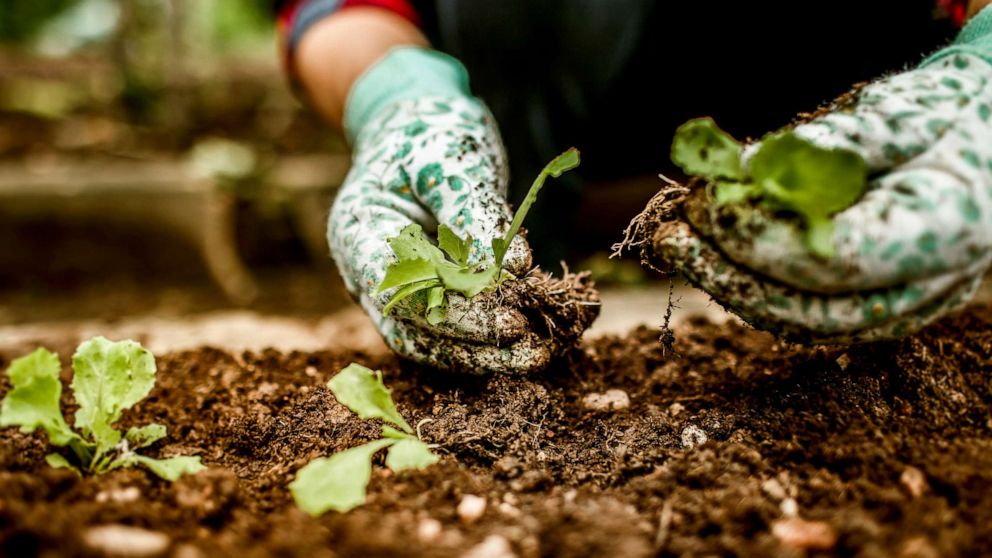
[[735, 444]]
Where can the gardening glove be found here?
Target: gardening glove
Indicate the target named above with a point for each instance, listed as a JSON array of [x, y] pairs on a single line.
[[914, 247], [427, 152]]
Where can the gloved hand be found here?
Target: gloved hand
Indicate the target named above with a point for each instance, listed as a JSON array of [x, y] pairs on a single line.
[[915, 246], [427, 152]]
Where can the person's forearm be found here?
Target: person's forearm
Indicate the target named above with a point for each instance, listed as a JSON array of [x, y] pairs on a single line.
[[337, 50]]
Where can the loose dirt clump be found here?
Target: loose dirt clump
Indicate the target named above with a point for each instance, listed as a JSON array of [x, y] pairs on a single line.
[[559, 309], [734, 444]]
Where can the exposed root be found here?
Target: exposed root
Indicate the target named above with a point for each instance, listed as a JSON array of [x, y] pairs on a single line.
[[559, 309], [663, 208]]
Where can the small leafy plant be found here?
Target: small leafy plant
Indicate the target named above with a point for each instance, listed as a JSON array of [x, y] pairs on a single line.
[[108, 378], [430, 272], [787, 172], [339, 482]]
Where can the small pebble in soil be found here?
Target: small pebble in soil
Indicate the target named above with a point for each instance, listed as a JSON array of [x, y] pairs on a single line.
[[508, 510], [803, 534], [428, 530], [843, 361], [693, 436], [494, 546], [918, 547], [471, 508], [914, 481], [789, 507], [118, 495], [125, 541], [774, 488], [612, 400]]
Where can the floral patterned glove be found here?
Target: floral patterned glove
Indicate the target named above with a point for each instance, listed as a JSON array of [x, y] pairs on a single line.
[[427, 152], [915, 246]]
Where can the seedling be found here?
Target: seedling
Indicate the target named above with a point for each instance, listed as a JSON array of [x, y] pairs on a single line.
[[429, 272], [339, 482], [787, 172], [108, 378]]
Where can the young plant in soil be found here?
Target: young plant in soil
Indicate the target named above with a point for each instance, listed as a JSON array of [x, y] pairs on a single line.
[[787, 172], [108, 378], [425, 269], [339, 482]]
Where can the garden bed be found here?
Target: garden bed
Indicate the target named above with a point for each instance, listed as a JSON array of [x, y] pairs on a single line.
[[734, 445]]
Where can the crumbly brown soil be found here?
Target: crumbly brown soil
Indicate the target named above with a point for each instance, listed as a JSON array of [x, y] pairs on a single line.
[[883, 450]]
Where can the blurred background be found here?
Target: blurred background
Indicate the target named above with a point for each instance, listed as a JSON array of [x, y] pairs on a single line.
[[153, 163], [158, 179]]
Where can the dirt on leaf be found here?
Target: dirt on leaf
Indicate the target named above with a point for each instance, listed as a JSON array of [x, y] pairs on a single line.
[[734, 444]]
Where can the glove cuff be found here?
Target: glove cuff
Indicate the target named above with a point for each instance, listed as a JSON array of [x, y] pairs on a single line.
[[974, 39], [403, 73]]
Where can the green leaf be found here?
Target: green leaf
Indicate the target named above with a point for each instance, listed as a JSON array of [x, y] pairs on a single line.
[[456, 248], [702, 149], [405, 272], [726, 193], [140, 437], [171, 468], [362, 391], [34, 400], [807, 178], [562, 163], [57, 461], [390, 432], [406, 292], [795, 174], [412, 244], [338, 482], [819, 237], [410, 453], [109, 377], [436, 305], [467, 282]]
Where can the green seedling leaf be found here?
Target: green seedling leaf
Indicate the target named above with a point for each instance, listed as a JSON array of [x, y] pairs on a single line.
[[407, 272], [726, 193], [144, 436], [171, 468], [109, 378], [407, 291], [701, 148], [787, 172], [411, 244], [34, 400], [390, 432], [560, 164], [468, 283], [338, 482], [445, 268], [410, 453], [795, 174], [57, 461], [456, 248], [362, 391], [437, 307]]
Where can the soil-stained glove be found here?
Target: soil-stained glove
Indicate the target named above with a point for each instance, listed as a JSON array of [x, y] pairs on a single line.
[[427, 152], [914, 247]]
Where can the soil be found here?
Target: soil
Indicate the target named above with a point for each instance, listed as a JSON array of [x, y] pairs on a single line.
[[732, 444]]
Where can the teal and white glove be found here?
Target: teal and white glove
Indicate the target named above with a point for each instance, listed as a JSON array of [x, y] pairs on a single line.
[[427, 152], [915, 246]]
